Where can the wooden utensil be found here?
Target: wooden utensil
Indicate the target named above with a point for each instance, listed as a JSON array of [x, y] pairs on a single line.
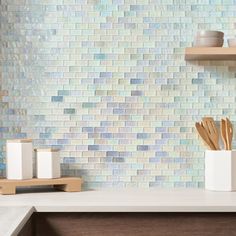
[[229, 134], [203, 134], [213, 134], [223, 132], [201, 123]]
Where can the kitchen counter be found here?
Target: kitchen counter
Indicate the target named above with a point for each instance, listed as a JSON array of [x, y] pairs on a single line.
[[174, 200], [16, 209], [12, 219]]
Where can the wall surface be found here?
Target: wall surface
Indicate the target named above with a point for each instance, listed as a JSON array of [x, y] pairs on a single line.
[[107, 83]]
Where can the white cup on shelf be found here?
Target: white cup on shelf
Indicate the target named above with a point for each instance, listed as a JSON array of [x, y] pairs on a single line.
[[19, 159], [48, 163]]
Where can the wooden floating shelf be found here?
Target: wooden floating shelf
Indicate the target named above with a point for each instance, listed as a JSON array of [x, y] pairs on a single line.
[[67, 184], [210, 53]]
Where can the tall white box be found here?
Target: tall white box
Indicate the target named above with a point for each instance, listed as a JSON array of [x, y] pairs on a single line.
[[48, 163], [220, 170], [19, 159]]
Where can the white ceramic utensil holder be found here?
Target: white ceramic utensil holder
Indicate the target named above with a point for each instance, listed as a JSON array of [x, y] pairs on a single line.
[[220, 170], [48, 163], [19, 159]]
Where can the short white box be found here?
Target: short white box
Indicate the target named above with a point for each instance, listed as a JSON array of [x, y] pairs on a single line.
[[19, 161], [48, 163], [220, 170]]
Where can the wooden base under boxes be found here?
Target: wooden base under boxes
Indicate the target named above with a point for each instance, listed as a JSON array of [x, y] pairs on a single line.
[[67, 184]]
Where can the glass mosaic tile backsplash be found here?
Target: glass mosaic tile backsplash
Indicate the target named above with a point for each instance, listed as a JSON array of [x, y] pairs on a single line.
[[106, 82]]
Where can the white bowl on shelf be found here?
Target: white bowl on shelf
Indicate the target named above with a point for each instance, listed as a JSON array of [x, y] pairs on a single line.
[[208, 42], [210, 33], [232, 42]]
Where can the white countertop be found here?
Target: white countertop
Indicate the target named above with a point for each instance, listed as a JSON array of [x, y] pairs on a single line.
[[12, 219], [15, 210], [164, 200]]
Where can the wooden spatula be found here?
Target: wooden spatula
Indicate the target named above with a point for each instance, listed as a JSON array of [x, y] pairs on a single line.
[[229, 134], [213, 134], [203, 134], [223, 132]]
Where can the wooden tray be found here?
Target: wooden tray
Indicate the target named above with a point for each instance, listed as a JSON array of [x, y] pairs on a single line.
[[67, 184]]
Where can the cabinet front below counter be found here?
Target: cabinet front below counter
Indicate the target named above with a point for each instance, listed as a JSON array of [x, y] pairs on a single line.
[[130, 224]]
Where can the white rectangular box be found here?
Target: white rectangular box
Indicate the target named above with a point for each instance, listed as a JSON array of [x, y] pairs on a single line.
[[48, 163], [19, 160], [220, 170]]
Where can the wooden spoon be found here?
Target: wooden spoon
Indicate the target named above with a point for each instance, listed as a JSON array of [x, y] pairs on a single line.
[[229, 134], [203, 134], [213, 134], [223, 133]]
